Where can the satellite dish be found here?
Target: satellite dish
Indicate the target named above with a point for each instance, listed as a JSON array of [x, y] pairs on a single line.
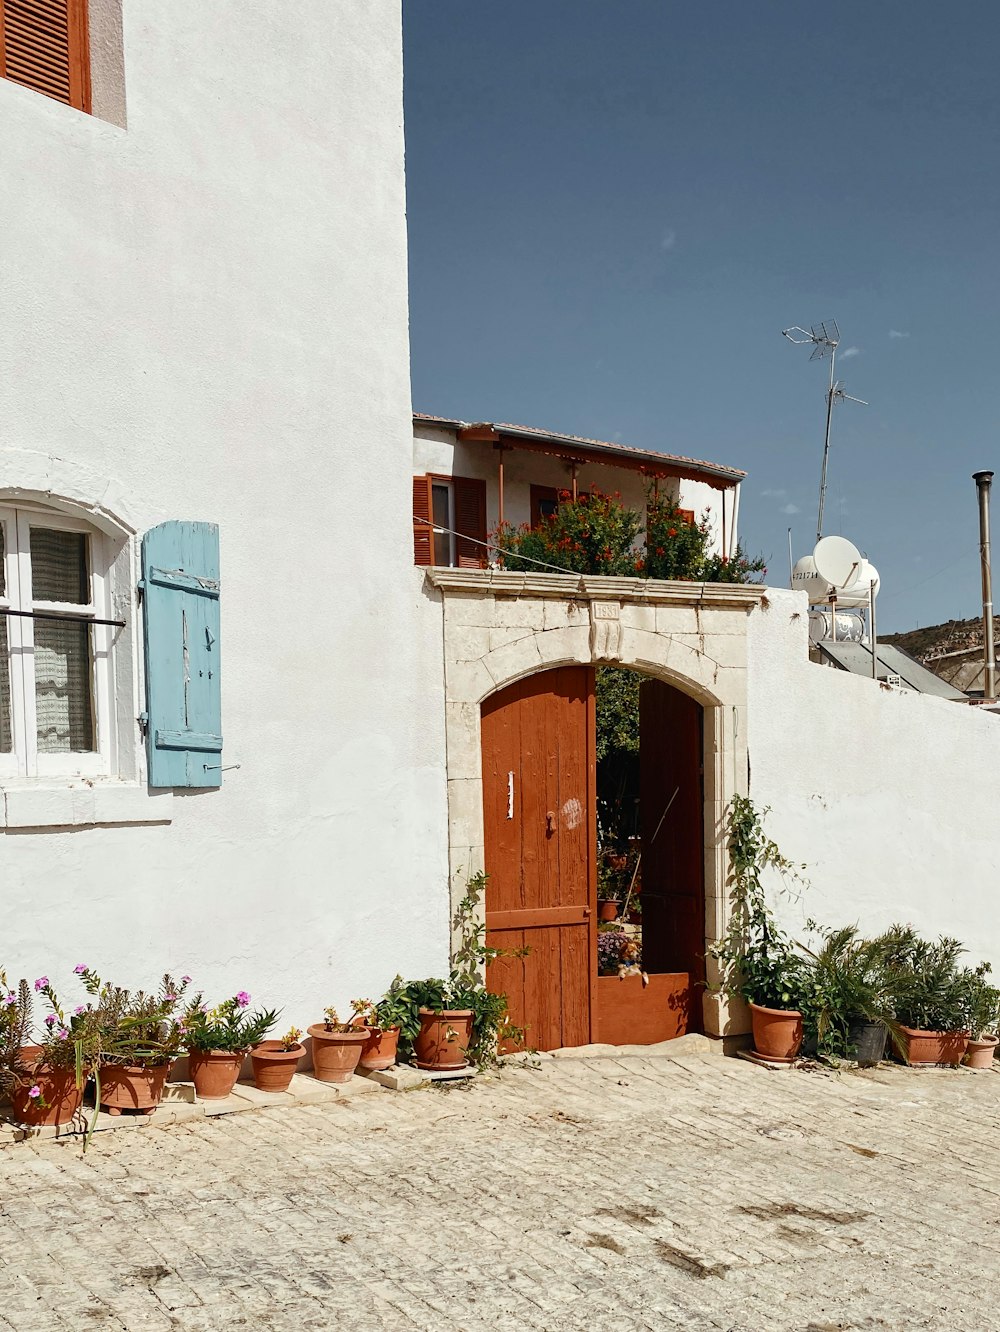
[[838, 561]]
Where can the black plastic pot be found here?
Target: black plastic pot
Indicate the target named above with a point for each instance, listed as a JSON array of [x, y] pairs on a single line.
[[866, 1043]]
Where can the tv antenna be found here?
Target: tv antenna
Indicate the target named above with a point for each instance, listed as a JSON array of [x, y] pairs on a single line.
[[825, 339]]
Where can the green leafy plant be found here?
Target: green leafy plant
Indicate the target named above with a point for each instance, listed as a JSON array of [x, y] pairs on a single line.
[[757, 961], [596, 533], [927, 987], [130, 1027], [463, 991], [981, 1002], [593, 534], [15, 1031], [360, 1008], [848, 985], [228, 1026]]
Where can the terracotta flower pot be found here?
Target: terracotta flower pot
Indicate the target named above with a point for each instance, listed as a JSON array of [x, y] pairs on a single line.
[[777, 1033], [607, 909], [214, 1072], [443, 1040], [273, 1066], [336, 1053], [979, 1054], [933, 1047], [379, 1050], [61, 1096], [132, 1087]]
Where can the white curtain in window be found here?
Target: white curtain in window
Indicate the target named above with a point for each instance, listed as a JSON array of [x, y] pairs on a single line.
[[63, 666]]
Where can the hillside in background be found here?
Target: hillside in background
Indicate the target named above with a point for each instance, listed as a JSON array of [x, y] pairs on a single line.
[[936, 639]]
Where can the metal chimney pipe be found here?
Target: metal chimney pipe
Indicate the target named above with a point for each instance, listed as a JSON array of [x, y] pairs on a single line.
[[983, 481]]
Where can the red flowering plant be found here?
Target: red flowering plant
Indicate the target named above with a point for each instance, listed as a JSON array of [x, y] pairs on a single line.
[[595, 533], [678, 546]]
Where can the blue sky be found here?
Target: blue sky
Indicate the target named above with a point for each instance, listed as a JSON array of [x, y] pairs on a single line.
[[614, 209]]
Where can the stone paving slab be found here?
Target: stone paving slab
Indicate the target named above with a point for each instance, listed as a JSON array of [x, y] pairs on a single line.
[[622, 1192]]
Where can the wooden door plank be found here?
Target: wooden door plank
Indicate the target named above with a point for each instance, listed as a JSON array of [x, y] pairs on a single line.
[[540, 918]]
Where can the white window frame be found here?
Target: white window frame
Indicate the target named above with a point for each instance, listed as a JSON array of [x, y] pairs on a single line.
[[25, 761], [445, 483]]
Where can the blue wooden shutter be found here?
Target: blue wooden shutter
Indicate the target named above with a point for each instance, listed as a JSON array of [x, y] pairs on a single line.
[[180, 572]]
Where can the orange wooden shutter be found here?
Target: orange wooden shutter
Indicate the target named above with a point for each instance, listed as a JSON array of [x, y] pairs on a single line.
[[470, 521], [422, 538], [44, 45]]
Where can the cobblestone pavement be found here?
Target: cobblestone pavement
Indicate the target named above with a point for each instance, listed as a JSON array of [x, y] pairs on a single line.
[[693, 1192]]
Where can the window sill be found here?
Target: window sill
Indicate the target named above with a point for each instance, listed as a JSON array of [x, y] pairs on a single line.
[[79, 804]]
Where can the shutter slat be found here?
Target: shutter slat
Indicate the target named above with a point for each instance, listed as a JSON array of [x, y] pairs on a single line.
[[470, 522], [422, 510], [44, 45]]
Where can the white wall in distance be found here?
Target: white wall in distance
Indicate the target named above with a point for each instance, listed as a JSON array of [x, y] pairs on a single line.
[[209, 311], [890, 797]]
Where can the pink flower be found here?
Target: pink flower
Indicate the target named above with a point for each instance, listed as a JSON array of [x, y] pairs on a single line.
[[50, 1019], [63, 1034], [185, 980], [10, 998], [78, 1010], [41, 984], [80, 969], [170, 998], [34, 1092], [242, 999]]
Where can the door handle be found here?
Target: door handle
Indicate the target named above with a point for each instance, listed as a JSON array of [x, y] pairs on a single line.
[[550, 823]]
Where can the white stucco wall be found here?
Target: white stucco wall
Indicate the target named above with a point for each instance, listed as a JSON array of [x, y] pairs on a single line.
[[437, 450], [207, 314], [890, 797]]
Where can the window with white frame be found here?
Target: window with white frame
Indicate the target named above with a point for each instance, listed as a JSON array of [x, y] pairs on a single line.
[[55, 678]]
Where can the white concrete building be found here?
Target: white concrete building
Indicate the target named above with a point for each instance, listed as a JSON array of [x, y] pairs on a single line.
[[204, 317]]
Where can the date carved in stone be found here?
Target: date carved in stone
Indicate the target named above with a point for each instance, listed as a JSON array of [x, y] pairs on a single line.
[[605, 630]]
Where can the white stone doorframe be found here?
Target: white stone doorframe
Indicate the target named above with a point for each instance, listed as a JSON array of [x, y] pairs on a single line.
[[500, 627]]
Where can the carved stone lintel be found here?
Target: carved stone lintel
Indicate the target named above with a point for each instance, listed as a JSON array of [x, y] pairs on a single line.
[[605, 630]]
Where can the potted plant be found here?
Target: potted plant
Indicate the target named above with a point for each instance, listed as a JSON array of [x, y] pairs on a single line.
[[337, 1045], [274, 1062], [448, 1024], [757, 962], [928, 992], [383, 1021], [848, 1008], [982, 1012], [135, 1040], [49, 1078], [218, 1040]]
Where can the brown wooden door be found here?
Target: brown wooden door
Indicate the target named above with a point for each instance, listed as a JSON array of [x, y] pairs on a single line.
[[673, 847], [538, 806]]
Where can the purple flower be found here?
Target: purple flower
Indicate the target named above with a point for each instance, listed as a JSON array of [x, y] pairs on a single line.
[[63, 1034], [80, 969], [170, 998], [41, 984], [10, 998], [242, 999], [50, 1019], [34, 1092], [78, 1010], [185, 980]]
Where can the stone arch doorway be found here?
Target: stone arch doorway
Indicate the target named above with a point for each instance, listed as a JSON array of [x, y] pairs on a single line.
[[569, 979], [500, 628]]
